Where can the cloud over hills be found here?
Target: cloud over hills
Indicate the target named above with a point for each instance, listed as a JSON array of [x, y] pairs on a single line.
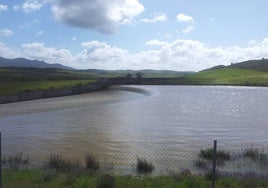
[[182, 55]]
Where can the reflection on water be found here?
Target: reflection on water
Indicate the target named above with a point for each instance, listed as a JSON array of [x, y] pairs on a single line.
[[119, 124]]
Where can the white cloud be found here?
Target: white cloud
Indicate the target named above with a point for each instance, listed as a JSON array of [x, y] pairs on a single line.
[[183, 55], [184, 18], [29, 6], [8, 52], [156, 42], [3, 7], [6, 33], [158, 17], [188, 29], [102, 55], [101, 15], [39, 51]]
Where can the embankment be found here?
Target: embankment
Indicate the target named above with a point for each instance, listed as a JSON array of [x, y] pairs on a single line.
[[40, 94]]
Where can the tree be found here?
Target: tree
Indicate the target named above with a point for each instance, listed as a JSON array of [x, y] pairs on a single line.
[[139, 75], [128, 75]]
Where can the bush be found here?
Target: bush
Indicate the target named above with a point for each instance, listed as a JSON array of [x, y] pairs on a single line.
[[91, 162], [208, 154], [143, 166]]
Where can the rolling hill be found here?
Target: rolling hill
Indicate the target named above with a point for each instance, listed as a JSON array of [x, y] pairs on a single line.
[[249, 73], [257, 65], [22, 62]]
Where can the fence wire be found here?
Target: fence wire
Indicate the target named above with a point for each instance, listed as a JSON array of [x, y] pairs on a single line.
[[166, 157]]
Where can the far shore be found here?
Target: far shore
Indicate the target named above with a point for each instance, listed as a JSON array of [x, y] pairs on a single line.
[[104, 83]]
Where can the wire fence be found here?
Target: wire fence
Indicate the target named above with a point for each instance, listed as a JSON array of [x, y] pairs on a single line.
[[165, 157]]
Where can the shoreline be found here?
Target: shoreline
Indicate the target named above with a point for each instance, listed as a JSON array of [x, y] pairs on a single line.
[[106, 82]]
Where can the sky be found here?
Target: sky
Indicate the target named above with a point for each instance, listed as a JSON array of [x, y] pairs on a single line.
[[182, 35]]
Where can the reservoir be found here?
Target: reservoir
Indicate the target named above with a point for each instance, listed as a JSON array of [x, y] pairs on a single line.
[[160, 123]]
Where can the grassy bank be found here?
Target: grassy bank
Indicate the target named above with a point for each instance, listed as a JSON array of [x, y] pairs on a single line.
[[8, 88], [229, 76], [53, 179]]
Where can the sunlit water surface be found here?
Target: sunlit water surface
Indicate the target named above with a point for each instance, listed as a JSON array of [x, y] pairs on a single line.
[[125, 122]]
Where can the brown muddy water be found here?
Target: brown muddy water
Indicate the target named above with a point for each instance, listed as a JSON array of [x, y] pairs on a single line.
[[164, 124]]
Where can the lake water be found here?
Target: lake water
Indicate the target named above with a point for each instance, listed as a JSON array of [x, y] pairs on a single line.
[[160, 123]]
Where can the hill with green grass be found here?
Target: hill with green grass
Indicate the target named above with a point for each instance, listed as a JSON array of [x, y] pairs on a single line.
[[257, 65], [247, 73]]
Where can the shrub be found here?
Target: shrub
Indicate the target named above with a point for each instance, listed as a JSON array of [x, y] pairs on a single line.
[[106, 181], [143, 166], [208, 154], [91, 162]]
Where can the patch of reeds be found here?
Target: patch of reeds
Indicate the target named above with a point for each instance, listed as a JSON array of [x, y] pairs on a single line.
[[16, 162], [143, 166], [257, 156], [91, 162], [209, 152], [58, 163]]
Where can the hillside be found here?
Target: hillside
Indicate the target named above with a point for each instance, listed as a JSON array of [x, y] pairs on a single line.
[[13, 74], [229, 76], [257, 65], [22, 62]]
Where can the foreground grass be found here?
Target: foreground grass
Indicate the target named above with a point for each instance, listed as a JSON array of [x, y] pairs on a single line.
[[8, 88], [53, 179], [229, 76]]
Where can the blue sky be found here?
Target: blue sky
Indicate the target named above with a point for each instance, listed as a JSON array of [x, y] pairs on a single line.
[[184, 35]]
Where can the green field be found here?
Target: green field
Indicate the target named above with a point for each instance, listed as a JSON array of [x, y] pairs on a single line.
[[8, 88], [229, 76], [54, 179]]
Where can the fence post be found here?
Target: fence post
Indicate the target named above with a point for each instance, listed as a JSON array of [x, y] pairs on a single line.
[[0, 160], [214, 164]]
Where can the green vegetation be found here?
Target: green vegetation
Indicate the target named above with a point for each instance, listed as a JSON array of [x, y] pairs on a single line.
[[208, 154], [91, 162], [14, 80], [8, 88], [53, 179], [229, 76], [59, 172], [143, 166], [13, 74]]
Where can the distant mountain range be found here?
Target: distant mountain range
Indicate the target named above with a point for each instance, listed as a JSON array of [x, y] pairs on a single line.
[[257, 65], [22, 62]]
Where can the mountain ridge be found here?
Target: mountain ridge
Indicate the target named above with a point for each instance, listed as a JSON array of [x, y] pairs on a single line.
[[23, 62]]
